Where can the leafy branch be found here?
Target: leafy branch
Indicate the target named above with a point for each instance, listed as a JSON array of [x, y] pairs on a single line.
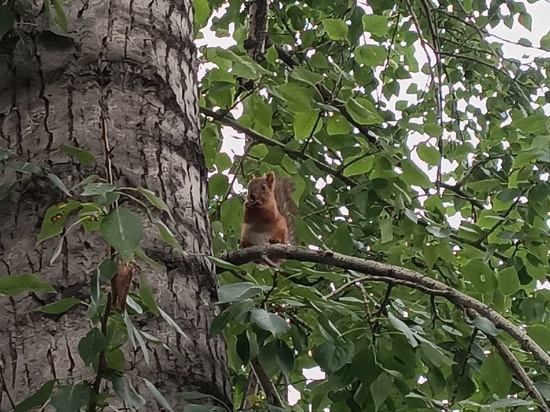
[[393, 275]]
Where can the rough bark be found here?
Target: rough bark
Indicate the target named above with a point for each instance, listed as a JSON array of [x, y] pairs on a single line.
[[130, 64]]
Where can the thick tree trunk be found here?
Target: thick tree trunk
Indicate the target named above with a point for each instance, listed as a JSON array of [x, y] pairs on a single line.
[[130, 66]]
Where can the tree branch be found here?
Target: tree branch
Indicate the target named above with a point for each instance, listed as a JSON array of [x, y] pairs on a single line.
[[508, 357], [392, 275], [273, 397]]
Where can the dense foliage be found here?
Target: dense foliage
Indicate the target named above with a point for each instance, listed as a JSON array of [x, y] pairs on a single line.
[[413, 141]]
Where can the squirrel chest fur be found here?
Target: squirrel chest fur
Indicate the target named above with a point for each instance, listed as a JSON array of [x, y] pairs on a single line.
[[269, 212]]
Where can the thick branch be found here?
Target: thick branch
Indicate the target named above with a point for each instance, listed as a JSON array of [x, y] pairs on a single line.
[[392, 275]]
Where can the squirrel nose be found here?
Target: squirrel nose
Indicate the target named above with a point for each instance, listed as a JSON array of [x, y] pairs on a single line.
[[252, 196]]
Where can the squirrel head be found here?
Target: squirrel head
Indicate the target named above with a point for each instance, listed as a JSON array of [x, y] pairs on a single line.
[[261, 189]]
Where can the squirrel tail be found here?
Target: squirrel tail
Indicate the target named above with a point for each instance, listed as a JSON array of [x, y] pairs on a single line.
[[284, 189]]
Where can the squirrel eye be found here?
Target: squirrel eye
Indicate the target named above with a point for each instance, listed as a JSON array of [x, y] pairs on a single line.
[[263, 187]]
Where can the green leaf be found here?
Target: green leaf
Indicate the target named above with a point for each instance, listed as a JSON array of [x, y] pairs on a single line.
[[127, 393], [201, 13], [304, 123], [545, 42], [70, 398], [107, 269], [381, 389], [362, 111], [269, 321], [61, 19], [172, 323], [486, 326], [168, 237], [91, 345], [508, 281], [496, 374], [306, 76], [331, 357], [84, 157], [55, 218], [115, 360], [225, 265], [25, 167], [106, 199], [337, 124], [297, 97], [13, 285], [161, 400], [61, 306], [386, 230], [243, 348], [510, 403], [534, 123], [539, 333], [227, 315], [429, 154], [146, 294], [123, 230], [7, 20], [375, 24], [155, 200], [94, 189], [413, 175], [370, 55], [340, 240], [218, 184], [359, 167], [435, 355], [59, 183], [39, 398], [86, 180], [480, 275], [402, 327], [235, 292], [336, 29], [5, 189]]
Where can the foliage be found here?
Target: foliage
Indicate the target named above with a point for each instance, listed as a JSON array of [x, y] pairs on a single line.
[[95, 206], [447, 177], [413, 141]]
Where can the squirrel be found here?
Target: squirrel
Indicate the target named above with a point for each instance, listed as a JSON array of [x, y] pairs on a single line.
[[269, 212]]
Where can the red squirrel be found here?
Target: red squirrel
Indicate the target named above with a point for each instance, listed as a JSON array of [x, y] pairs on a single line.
[[269, 212]]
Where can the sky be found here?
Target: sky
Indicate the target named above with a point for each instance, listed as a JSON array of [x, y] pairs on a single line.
[[234, 142]]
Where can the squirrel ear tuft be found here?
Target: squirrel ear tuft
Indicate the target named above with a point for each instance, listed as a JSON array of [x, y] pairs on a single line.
[[270, 178]]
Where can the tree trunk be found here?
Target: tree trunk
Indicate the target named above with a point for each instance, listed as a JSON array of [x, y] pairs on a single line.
[[131, 67]]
